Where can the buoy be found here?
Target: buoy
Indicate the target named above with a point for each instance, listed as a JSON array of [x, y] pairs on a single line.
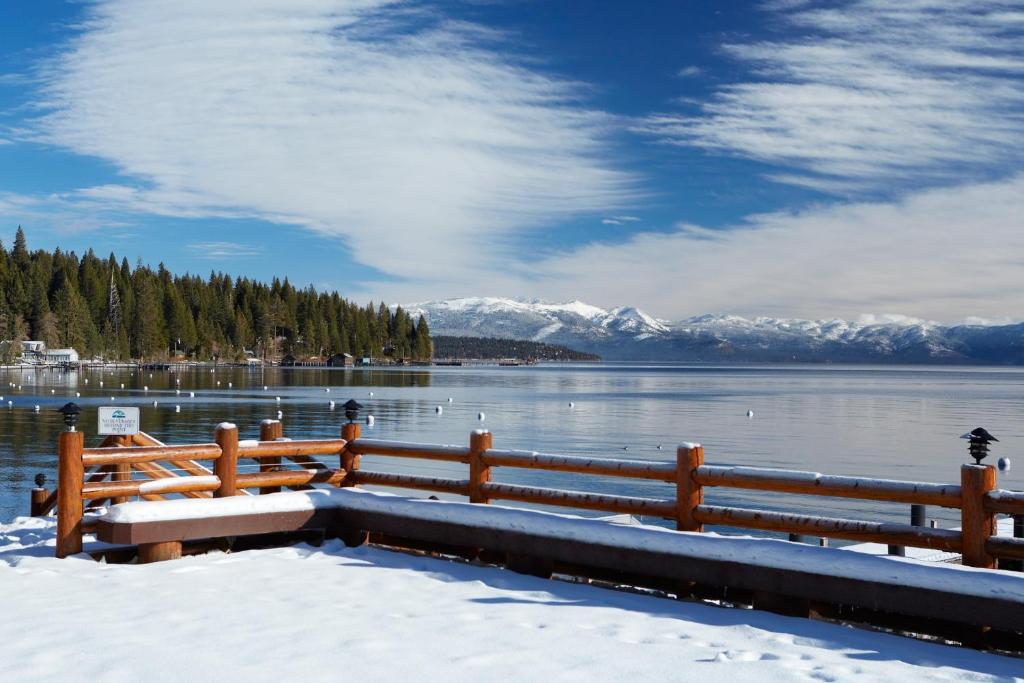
[[450, 399], [122, 385], [280, 415], [10, 404], [625, 448], [264, 387], [327, 390], [53, 391], [331, 403], [112, 398], [191, 394], [77, 395], [1003, 464], [659, 446], [151, 375], [571, 404], [277, 398], [213, 370], [177, 392], [480, 416], [218, 383], [369, 420], [177, 409], [37, 409], [371, 393], [145, 388], [154, 404], [438, 410], [177, 381], [750, 413], [101, 383], [230, 385]]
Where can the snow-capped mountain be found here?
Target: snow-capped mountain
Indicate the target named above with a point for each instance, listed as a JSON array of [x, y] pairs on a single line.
[[629, 333]]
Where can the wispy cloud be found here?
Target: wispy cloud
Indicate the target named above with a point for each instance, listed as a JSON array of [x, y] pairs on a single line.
[[871, 93], [689, 72], [620, 220], [412, 138], [223, 250]]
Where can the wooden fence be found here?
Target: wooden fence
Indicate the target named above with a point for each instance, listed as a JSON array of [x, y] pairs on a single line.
[[124, 467]]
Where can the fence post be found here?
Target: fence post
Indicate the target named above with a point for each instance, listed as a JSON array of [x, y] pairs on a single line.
[[270, 430], [350, 431], [479, 473], [226, 466], [689, 494], [122, 472], [977, 524], [38, 501], [70, 480]]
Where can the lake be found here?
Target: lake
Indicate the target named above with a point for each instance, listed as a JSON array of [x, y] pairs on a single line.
[[889, 422]]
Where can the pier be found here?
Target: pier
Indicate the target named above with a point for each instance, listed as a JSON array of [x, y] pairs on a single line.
[[314, 486]]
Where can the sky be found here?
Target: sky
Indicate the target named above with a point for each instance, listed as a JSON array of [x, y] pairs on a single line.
[[792, 158]]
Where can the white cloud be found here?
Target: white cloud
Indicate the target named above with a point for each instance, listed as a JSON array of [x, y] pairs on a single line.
[[371, 121], [222, 250], [942, 254], [689, 72], [620, 220], [870, 93]]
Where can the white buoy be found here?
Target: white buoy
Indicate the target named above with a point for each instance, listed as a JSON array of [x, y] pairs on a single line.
[[218, 383], [151, 375], [155, 404], [213, 370], [10, 404], [177, 381], [230, 385], [327, 390], [1003, 464], [750, 413], [122, 385], [191, 394], [277, 398], [177, 409], [450, 399], [480, 416], [77, 395], [101, 383], [112, 398], [177, 392], [145, 388], [571, 404], [86, 380], [265, 387], [53, 391], [438, 410], [331, 404], [280, 414], [37, 409], [659, 446], [369, 420], [371, 393]]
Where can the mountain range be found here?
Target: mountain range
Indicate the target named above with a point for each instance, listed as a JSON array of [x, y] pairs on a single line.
[[630, 334]]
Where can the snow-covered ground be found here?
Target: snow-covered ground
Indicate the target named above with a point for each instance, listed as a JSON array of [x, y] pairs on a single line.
[[324, 613]]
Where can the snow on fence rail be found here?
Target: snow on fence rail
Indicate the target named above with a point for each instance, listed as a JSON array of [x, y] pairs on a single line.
[[122, 458]]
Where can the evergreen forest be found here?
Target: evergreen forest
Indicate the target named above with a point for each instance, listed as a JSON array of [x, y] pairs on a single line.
[[103, 307], [487, 348]]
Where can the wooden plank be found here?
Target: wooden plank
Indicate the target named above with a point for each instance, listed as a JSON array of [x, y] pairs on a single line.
[[156, 471], [116, 455], [978, 525], [402, 449], [277, 449], [735, 576], [479, 471], [212, 527], [831, 527], [582, 500], [137, 487], [609, 467], [689, 492], [410, 481], [814, 484]]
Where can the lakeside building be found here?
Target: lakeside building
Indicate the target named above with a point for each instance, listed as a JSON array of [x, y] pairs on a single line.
[[36, 353]]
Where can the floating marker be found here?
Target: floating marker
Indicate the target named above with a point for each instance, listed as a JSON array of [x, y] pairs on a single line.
[[151, 375], [571, 404], [331, 403], [191, 394], [53, 391], [371, 393], [77, 395], [450, 399], [37, 409], [277, 398], [480, 416], [177, 392], [659, 446], [369, 420], [1003, 464], [122, 385], [264, 387], [155, 404], [177, 409], [10, 404], [230, 385], [101, 383], [438, 410], [145, 388], [177, 381], [112, 398], [750, 413], [280, 415], [327, 390], [218, 383]]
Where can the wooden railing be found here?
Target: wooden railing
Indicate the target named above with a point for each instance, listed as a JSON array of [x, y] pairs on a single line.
[[132, 465]]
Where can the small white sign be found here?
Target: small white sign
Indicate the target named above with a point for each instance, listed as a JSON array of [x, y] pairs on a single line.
[[118, 421]]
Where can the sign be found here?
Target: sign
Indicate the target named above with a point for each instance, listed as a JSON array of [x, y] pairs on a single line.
[[118, 421]]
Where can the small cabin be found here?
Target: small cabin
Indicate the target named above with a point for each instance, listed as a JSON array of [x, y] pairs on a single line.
[[61, 356], [341, 360]]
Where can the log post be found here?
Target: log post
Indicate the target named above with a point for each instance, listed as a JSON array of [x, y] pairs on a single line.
[[158, 552], [226, 466], [270, 430], [479, 473], [689, 494], [122, 472], [38, 501], [70, 480], [350, 431], [977, 525]]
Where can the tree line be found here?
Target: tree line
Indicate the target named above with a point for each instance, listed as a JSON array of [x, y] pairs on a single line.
[[104, 307], [488, 348]]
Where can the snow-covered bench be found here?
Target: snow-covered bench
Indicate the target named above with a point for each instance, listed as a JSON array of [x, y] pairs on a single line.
[[758, 566]]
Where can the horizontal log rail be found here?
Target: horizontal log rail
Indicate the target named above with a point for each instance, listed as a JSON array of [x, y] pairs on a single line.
[[1006, 548], [814, 484], [139, 487], [288, 449], [1007, 502], [833, 527], [582, 499], [154, 470], [405, 449], [411, 481], [118, 455], [609, 467], [254, 480]]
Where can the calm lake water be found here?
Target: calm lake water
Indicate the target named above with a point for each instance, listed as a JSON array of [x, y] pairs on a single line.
[[898, 423]]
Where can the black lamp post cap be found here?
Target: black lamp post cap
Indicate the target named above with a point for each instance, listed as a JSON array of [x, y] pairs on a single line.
[[979, 434], [40, 480], [352, 409], [69, 409], [978, 440]]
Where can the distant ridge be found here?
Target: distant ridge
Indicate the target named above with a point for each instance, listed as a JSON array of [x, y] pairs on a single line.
[[628, 333]]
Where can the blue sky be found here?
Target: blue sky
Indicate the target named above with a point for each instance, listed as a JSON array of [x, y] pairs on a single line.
[[784, 158]]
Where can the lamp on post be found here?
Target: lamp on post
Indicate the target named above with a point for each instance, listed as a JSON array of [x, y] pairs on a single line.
[[978, 440], [352, 409], [70, 411]]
